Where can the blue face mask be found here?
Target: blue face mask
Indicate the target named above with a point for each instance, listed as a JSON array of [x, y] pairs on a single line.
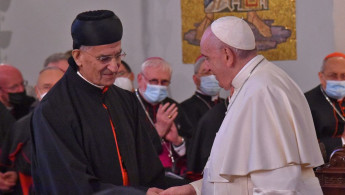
[[155, 93], [209, 85], [335, 89]]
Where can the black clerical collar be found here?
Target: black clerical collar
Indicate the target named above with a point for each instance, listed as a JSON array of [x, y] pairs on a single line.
[[206, 97]]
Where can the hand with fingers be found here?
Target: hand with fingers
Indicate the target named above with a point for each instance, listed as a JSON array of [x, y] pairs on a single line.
[[165, 117], [173, 136], [179, 190], [8, 180], [153, 191]]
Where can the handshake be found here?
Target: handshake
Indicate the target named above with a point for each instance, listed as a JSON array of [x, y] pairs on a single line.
[[178, 190]]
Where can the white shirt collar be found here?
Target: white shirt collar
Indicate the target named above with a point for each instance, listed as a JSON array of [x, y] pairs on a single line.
[[101, 87]]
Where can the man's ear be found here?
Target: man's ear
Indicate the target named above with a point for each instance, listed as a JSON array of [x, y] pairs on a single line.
[[76, 56], [322, 80], [139, 77], [230, 57], [196, 80], [141, 83], [37, 93]]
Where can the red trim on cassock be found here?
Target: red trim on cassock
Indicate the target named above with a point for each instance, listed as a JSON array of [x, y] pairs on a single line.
[[123, 170], [26, 183], [105, 89], [26, 158], [12, 156]]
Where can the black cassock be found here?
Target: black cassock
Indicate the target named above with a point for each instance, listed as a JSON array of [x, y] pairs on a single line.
[[74, 148], [16, 154], [328, 125], [197, 105], [6, 122], [202, 141]]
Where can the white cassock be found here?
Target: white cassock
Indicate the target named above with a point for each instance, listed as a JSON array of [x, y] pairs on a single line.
[[267, 142]]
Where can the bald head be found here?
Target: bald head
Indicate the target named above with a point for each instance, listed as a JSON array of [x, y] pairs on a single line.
[[11, 81], [212, 40], [8, 73], [46, 80]]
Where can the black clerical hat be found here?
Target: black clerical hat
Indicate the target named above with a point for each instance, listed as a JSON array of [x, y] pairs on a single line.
[[98, 27]]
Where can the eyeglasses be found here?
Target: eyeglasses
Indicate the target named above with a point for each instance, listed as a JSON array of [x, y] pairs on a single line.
[[106, 59], [14, 88], [156, 81]]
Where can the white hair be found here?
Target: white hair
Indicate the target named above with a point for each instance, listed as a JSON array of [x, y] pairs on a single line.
[[156, 62], [198, 63]]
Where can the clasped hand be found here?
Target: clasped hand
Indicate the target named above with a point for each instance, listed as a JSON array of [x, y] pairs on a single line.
[[178, 190], [8, 180]]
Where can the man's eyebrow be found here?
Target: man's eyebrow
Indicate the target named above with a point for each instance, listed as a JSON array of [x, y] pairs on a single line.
[[111, 54]]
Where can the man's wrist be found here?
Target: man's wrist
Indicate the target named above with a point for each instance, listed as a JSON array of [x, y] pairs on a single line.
[[181, 148], [160, 130], [179, 142]]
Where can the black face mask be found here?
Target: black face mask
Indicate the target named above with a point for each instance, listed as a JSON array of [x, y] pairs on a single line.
[[21, 104], [19, 98]]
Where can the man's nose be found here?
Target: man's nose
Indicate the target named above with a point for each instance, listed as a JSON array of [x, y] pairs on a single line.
[[114, 65]]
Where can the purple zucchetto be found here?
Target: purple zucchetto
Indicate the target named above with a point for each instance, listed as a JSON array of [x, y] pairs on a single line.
[[98, 27]]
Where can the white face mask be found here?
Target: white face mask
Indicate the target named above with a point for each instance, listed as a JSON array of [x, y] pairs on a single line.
[[124, 83], [155, 93], [335, 89], [209, 85]]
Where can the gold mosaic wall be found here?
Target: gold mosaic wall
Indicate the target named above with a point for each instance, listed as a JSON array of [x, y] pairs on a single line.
[[273, 23]]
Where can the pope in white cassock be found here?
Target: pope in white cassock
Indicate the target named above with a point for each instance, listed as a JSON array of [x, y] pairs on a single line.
[[267, 142]]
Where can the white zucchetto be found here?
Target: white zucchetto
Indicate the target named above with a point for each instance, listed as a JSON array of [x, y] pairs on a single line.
[[234, 31]]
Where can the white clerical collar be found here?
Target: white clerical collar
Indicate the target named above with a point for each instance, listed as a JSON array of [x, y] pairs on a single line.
[[244, 73], [101, 87]]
